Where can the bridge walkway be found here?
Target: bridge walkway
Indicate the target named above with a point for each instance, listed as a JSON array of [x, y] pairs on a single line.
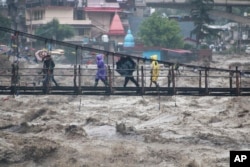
[[79, 80]]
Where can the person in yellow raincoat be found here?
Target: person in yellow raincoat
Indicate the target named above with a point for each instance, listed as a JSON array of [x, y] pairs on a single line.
[[154, 70]]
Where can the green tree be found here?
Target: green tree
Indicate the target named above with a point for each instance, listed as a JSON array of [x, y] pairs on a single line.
[[200, 15], [160, 31], [4, 22], [55, 30]]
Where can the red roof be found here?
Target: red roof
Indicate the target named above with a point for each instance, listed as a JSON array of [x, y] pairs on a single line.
[[190, 39], [177, 50], [116, 27], [102, 9]]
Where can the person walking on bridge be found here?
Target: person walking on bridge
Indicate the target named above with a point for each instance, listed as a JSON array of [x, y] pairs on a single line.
[[101, 73], [154, 71], [126, 66], [176, 68], [48, 68]]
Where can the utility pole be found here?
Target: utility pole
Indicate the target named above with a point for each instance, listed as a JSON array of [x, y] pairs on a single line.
[[12, 12], [240, 37], [31, 27]]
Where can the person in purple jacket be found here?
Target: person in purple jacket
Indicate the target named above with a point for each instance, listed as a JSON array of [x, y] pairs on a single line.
[[101, 73]]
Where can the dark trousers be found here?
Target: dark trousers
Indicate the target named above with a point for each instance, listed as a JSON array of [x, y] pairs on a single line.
[[49, 73], [52, 78], [156, 84], [103, 80], [131, 78]]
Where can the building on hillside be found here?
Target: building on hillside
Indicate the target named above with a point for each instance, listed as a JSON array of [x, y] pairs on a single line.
[[163, 54], [190, 41], [107, 19], [3, 8], [3, 3], [16, 12], [68, 12], [91, 19], [100, 13]]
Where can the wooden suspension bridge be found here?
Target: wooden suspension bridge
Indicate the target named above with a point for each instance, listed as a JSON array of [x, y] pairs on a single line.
[[78, 79]]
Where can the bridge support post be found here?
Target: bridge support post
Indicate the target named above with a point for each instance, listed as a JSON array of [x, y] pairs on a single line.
[[137, 70], [200, 80], [15, 44], [237, 82], [79, 80], [142, 81], [74, 80], [230, 80], [76, 51], [206, 81], [113, 71], [169, 77], [14, 78], [109, 81], [173, 80]]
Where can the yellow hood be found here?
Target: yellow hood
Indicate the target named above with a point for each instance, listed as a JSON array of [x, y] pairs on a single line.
[[153, 57]]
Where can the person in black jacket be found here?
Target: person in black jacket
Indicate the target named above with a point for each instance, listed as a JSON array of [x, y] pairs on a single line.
[[126, 66], [48, 68]]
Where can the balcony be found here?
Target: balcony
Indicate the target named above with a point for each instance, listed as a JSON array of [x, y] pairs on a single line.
[[62, 21], [45, 3]]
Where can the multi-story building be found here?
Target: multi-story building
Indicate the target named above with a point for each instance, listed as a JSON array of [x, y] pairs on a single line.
[[3, 8], [67, 12], [89, 18], [102, 14]]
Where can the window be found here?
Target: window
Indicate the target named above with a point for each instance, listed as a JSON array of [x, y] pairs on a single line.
[[111, 0], [37, 15]]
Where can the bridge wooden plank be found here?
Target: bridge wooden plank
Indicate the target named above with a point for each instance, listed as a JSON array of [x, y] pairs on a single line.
[[163, 91]]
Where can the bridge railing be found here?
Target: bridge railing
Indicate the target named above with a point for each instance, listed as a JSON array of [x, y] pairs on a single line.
[[78, 76]]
